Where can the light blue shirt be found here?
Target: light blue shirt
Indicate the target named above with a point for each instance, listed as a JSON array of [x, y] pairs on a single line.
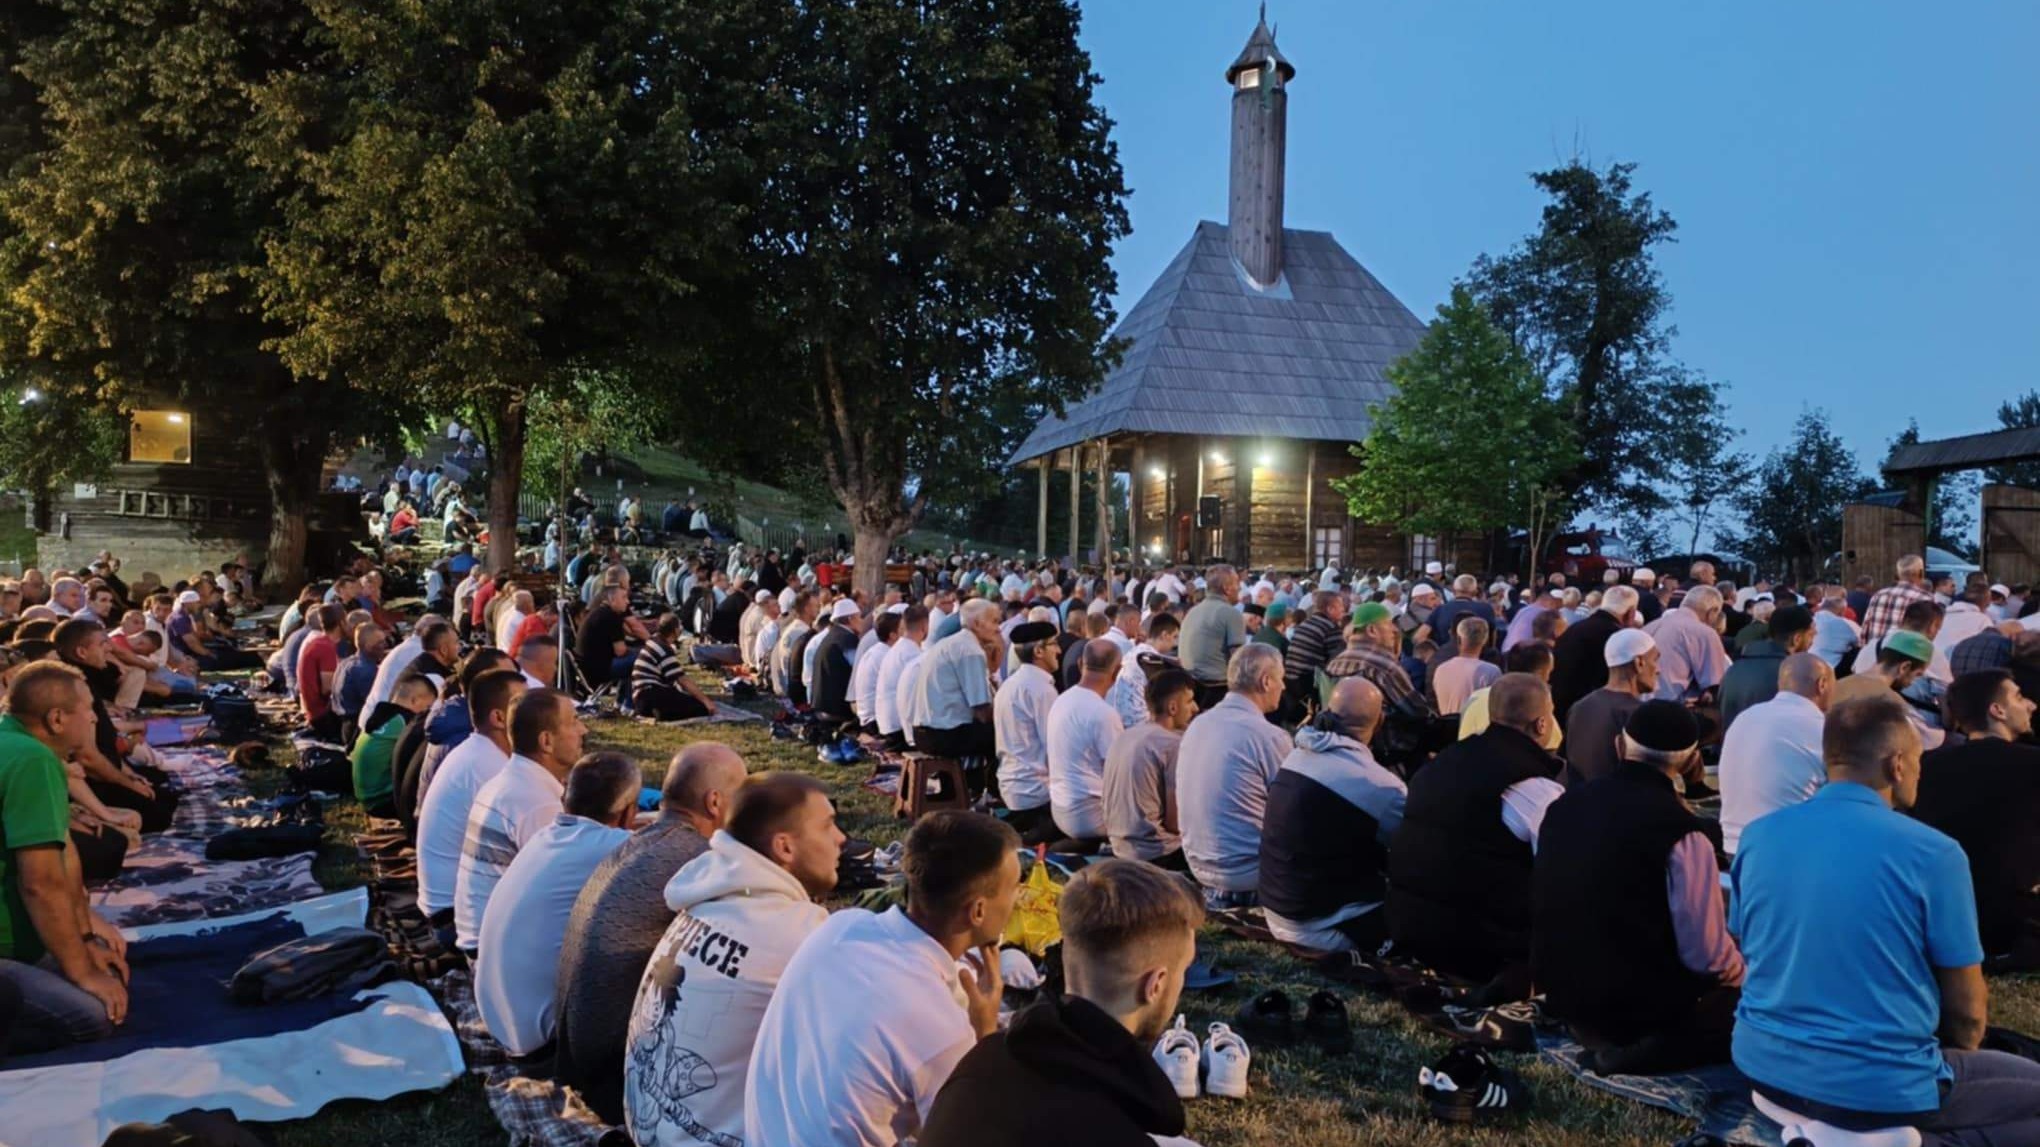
[[952, 680], [1845, 908], [1834, 635]]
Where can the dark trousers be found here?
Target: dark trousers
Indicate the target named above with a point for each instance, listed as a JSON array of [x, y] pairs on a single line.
[[973, 740], [101, 853], [327, 728], [156, 810], [1699, 1037], [665, 703], [1035, 825], [1209, 693]]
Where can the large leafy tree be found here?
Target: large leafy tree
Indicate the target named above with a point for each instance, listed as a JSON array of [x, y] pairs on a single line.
[[1584, 299], [934, 226], [1470, 441], [134, 228], [504, 198], [1792, 510]]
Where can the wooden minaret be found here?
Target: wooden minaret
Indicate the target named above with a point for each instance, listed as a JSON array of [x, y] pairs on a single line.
[[1260, 115]]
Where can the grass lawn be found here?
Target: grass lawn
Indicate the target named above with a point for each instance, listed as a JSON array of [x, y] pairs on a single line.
[[17, 541], [1300, 1098]]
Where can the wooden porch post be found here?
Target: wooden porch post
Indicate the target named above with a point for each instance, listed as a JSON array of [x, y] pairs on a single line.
[[1041, 508], [1076, 504], [1310, 505], [1104, 508], [1136, 518]]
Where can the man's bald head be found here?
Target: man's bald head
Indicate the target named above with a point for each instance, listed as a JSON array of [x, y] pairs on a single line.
[[1807, 676], [1358, 704], [1101, 657], [700, 783]]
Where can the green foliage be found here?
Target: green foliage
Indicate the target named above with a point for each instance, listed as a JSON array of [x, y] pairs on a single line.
[[938, 200], [1792, 510], [43, 443], [1951, 518], [1584, 300], [2021, 413], [1469, 442]]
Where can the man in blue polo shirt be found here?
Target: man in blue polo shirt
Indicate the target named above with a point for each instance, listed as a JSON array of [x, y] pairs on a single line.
[[1864, 1000]]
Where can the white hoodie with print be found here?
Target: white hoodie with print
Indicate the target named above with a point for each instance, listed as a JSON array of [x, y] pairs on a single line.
[[703, 994]]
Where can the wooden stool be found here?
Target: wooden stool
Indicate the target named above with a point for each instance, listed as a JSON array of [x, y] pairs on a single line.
[[913, 800]]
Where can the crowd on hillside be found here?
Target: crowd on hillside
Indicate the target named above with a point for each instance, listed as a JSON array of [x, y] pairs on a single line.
[[1783, 826]]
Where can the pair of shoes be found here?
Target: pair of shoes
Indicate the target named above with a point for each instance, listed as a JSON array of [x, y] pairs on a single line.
[[1468, 1086], [1269, 1019], [1218, 1065]]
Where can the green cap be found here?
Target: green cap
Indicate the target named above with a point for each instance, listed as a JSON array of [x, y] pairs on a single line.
[[1370, 613], [1277, 611], [1910, 644]]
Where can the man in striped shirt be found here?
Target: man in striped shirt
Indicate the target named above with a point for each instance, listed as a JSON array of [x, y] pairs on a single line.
[[1314, 641], [659, 688]]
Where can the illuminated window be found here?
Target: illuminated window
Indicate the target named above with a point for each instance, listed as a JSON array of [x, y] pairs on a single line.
[[1328, 546], [1423, 548], [1249, 78], [160, 436]]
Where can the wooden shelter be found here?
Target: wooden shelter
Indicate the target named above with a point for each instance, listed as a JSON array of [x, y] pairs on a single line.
[[1880, 530], [1251, 366]]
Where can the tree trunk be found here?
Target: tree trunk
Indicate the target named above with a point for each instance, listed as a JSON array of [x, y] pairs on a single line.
[[506, 476], [293, 457], [872, 545]]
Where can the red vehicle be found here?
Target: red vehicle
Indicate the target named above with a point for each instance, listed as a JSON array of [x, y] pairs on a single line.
[[1584, 558]]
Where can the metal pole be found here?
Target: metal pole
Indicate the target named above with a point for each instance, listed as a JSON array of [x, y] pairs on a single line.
[[560, 655]]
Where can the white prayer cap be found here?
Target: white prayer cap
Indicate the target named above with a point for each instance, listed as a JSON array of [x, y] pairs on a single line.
[[1434, 568], [897, 607], [762, 596], [2001, 589], [1626, 646], [786, 598], [843, 608], [1644, 573]]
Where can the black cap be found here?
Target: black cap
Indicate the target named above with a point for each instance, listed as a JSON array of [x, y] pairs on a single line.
[[1028, 632], [1666, 726]]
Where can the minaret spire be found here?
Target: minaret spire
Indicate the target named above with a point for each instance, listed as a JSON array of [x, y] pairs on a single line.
[[1259, 77]]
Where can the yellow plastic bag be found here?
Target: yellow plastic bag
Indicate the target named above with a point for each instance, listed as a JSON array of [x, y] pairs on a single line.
[[1036, 923]]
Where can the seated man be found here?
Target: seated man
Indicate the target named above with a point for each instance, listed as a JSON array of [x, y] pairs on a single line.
[[1753, 679], [63, 962], [885, 630], [896, 677], [516, 804], [450, 797], [1902, 661], [1332, 810], [1140, 775], [602, 646], [1628, 940], [659, 687], [1228, 757], [872, 1013], [356, 675], [949, 707], [525, 923], [1077, 1068], [1081, 728], [1985, 793], [1020, 725], [743, 909], [1466, 671], [1593, 728], [834, 650], [1864, 1000], [1772, 757], [1459, 867], [619, 917], [374, 782]]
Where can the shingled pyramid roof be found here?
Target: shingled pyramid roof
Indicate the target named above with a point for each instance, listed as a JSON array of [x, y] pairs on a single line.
[[1210, 354]]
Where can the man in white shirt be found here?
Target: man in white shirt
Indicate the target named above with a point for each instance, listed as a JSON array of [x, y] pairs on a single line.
[[1967, 616], [1464, 674], [394, 663], [1020, 724], [744, 908], [545, 735], [1129, 691], [949, 707], [1170, 585], [1834, 634], [872, 1014], [895, 675], [1771, 757], [443, 814], [525, 924], [1228, 756], [1081, 728], [885, 630], [510, 620], [764, 607]]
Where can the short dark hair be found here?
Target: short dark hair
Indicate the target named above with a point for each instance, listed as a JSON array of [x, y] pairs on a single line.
[[493, 690], [483, 660], [1861, 729], [886, 625], [1789, 620], [914, 615], [1971, 695], [1162, 622], [764, 804], [1163, 686], [600, 784], [73, 633], [1921, 614], [430, 633], [1543, 627], [539, 641], [668, 627], [952, 855], [327, 618], [1527, 657]]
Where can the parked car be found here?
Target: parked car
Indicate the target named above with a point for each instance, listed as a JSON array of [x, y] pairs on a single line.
[[1586, 557]]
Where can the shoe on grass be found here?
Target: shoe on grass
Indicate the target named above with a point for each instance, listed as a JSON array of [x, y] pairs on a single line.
[[1178, 1054], [1468, 1086], [1326, 1025], [1225, 1063], [1267, 1018]]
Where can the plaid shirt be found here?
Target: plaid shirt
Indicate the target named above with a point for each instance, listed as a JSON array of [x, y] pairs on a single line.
[[1887, 609], [1379, 667], [1987, 650]]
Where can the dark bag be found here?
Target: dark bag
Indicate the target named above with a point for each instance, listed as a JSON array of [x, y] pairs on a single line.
[[856, 868], [320, 769], [234, 716], [266, 841], [1410, 735]]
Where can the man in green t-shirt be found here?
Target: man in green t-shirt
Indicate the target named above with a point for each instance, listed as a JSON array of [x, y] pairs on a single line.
[[374, 781], [69, 965]]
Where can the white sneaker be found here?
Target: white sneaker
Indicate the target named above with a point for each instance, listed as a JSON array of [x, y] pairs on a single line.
[[1177, 1053], [1225, 1063]]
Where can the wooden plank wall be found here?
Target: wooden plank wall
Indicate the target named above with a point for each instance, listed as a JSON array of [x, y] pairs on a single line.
[[1875, 537], [1278, 537], [2011, 534], [1219, 481]]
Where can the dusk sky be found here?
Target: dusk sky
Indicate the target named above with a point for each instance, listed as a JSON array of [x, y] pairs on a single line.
[[1857, 186]]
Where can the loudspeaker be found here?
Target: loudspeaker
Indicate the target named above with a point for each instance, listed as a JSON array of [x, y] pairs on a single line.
[[1208, 513]]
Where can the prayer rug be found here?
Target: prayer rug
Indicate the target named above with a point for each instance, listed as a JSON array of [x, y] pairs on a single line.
[[1717, 1096], [168, 879]]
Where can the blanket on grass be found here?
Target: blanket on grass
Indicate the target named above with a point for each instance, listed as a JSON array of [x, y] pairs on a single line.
[[1717, 1096], [265, 1063]]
